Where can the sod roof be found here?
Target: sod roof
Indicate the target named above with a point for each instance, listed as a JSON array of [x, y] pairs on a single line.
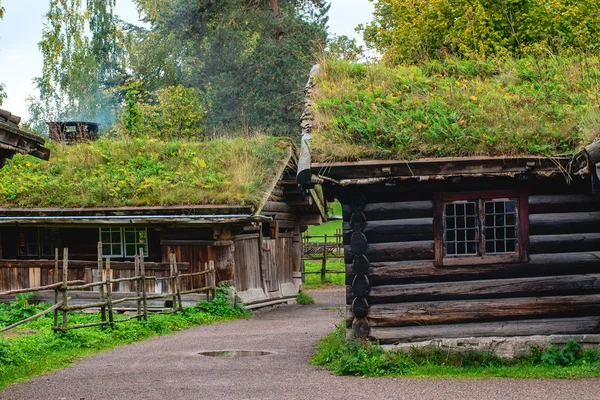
[[146, 172], [455, 108]]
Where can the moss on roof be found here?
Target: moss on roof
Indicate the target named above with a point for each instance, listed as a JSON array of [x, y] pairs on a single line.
[[146, 172], [456, 108]]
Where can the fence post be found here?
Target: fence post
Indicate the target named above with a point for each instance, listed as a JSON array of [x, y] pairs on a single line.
[[324, 261], [109, 304], [56, 275], [177, 284], [172, 280], [65, 292], [213, 280], [101, 287], [143, 273], [136, 272]]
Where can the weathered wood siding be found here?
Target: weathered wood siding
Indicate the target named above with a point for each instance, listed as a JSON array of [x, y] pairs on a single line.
[[397, 293]]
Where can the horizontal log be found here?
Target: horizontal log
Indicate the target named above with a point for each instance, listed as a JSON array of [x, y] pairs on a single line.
[[550, 326], [386, 273], [557, 223], [460, 311], [400, 251], [78, 264], [569, 243], [395, 230], [394, 210], [280, 215], [278, 206], [561, 203], [487, 289]]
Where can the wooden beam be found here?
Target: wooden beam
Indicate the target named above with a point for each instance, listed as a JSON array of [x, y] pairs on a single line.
[[558, 223], [528, 327], [435, 167], [482, 289], [460, 311], [402, 251], [568, 243], [395, 230], [386, 273], [78, 264], [562, 203], [395, 210]]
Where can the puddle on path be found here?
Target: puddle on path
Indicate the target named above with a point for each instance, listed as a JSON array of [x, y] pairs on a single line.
[[235, 353]]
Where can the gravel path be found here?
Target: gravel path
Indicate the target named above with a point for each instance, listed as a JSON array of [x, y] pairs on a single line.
[[170, 368]]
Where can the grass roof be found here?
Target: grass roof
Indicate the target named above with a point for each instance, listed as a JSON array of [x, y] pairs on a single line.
[[456, 108], [146, 172]]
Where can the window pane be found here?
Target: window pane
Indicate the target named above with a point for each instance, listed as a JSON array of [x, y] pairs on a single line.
[[450, 236], [489, 234], [499, 207], [450, 223], [510, 219], [449, 209], [470, 222], [510, 246], [106, 250], [460, 222], [471, 234], [501, 228], [510, 233], [460, 235], [130, 250], [470, 208], [460, 209], [489, 220], [489, 246], [451, 249], [489, 208], [500, 247], [116, 249], [129, 237], [472, 248], [509, 206], [500, 233], [116, 236], [461, 248]]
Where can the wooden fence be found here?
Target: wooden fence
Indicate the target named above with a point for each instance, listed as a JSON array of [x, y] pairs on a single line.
[[104, 289], [322, 251]]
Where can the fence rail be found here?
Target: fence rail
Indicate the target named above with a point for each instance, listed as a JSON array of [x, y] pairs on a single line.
[[323, 251], [105, 299]]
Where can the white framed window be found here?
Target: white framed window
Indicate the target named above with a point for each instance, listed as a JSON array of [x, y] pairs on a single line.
[[123, 242]]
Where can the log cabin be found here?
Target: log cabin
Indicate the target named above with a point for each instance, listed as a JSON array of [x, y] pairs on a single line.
[[230, 203], [452, 246]]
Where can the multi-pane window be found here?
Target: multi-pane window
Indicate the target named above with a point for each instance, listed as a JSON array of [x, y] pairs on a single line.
[[135, 239], [478, 226], [36, 242], [127, 242]]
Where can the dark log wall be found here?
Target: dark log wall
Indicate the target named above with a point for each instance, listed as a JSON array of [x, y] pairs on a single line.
[[396, 292]]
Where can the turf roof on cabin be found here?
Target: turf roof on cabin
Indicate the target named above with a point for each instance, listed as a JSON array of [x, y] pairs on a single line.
[[455, 108], [146, 172]]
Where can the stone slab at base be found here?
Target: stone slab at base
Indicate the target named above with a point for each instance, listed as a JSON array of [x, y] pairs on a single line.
[[505, 347]]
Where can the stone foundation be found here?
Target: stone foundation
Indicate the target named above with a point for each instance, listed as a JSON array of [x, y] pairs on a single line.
[[505, 347]]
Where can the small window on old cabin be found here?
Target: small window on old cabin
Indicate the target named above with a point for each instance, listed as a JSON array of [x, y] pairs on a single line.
[[38, 242], [479, 227], [123, 242]]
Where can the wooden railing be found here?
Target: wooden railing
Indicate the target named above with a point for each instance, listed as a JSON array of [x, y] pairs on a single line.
[[322, 249], [105, 299]]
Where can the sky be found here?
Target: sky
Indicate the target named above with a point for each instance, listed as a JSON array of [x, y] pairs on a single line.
[[21, 30]]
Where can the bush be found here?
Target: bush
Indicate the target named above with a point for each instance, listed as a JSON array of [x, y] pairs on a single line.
[[304, 299]]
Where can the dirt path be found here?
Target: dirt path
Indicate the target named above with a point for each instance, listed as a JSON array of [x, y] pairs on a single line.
[[170, 368]]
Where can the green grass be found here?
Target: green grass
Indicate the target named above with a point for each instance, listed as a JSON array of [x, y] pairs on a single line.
[[304, 299], [33, 349], [313, 281], [145, 172], [328, 228], [456, 108], [365, 359]]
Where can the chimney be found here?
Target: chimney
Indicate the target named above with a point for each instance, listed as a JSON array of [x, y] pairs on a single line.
[[70, 132]]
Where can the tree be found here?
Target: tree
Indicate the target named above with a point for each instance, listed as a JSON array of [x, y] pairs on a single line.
[[79, 72], [413, 30], [251, 58]]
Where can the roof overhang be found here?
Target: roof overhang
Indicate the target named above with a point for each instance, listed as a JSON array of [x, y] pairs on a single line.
[[168, 215], [18, 141], [375, 171]]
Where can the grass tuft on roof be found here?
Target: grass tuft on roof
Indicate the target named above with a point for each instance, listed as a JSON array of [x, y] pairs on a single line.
[[145, 172], [455, 108]]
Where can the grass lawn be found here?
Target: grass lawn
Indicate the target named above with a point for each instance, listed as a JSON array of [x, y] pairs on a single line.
[[316, 234]]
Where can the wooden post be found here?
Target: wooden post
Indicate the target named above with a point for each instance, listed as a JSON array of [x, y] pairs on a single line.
[[136, 272], [109, 304], [177, 285], [143, 273], [65, 292], [101, 287], [260, 260], [324, 262], [213, 280], [172, 280], [55, 280]]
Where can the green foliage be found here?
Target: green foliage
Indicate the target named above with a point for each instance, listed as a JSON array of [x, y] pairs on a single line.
[[304, 299], [415, 30], [18, 310], [175, 112], [131, 116], [27, 354], [222, 305], [137, 172], [250, 64], [455, 107], [349, 357]]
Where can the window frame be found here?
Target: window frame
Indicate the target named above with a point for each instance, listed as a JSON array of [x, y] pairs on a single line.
[[481, 257], [123, 243]]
